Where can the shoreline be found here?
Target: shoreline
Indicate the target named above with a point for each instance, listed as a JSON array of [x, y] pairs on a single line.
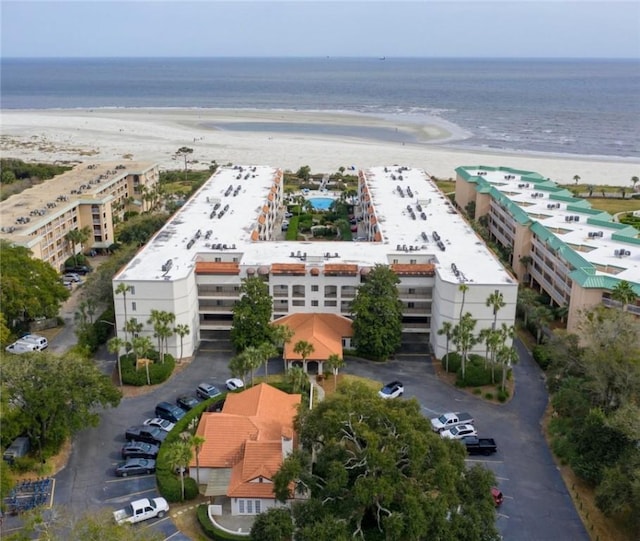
[[325, 142]]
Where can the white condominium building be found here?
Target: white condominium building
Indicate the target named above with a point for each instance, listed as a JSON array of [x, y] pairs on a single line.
[[558, 243], [90, 196], [231, 229]]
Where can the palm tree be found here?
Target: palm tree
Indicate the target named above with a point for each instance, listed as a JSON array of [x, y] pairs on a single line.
[[542, 316], [161, 329], [281, 335], [506, 356], [463, 288], [124, 289], [141, 345], [624, 294], [196, 442], [267, 350], [179, 454], [75, 237], [634, 181], [447, 331], [464, 338], [253, 359], [239, 366], [576, 178], [496, 301], [114, 345], [184, 151], [182, 330], [527, 301], [335, 363], [304, 349], [297, 377]]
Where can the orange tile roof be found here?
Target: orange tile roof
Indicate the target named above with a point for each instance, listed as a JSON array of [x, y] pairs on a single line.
[[211, 267], [323, 331], [260, 414], [288, 268], [341, 269], [426, 269], [261, 461]]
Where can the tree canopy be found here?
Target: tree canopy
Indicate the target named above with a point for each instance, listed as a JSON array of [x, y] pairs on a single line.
[[50, 397], [379, 472], [29, 287], [377, 312], [252, 315], [594, 377]]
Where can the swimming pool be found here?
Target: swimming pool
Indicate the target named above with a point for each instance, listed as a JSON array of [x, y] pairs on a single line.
[[320, 203]]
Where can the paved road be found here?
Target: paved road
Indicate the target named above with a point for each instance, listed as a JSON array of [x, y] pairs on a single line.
[[537, 505]]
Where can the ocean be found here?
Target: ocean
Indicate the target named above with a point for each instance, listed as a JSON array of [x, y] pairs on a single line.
[[579, 107]]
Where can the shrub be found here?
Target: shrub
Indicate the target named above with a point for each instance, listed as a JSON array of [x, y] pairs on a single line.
[[477, 391], [157, 372], [454, 361], [488, 396], [210, 530], [503, 395], [476, 374], [542, 356]]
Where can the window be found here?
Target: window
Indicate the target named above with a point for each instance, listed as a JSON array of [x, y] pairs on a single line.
[[314, 303], [132, 290], [314, 288], [258, 507], [241, 506], [249, 507], [133, 307]]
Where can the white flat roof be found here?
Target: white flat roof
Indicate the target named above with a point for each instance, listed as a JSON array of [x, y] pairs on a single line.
[[230, 234], [593, 242]]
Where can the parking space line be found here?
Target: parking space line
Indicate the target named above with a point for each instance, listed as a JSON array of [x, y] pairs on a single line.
[[425, 408], [485, 461], [502, 478], [120, 479], [174, 533], [502, 515], [130, 494]]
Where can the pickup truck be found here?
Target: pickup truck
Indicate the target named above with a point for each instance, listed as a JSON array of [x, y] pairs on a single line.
[[449, 420], [140, 510], [479, 446]]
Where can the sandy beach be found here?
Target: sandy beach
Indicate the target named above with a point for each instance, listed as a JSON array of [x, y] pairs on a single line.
[[118, 135]]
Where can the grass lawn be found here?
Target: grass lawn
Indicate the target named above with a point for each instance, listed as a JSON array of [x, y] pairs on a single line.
[[447, 186], [613, 206]]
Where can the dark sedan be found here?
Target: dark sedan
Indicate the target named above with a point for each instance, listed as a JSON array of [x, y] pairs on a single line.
[[136, 466], [187, 402], [139, 449], [149, 434]]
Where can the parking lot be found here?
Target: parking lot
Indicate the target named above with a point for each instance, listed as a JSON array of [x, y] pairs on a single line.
[[537, 505]]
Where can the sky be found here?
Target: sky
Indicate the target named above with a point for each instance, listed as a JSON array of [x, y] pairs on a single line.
[[305, 28]]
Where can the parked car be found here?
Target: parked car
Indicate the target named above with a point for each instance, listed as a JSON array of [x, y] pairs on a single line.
[[78, 269], [393, 389], [72, 277], [450, 419], [140, 510], [187, 402], [150, 434], [170, 412], [18, 448], [19, 347], [136, 466], [40, 342], [206, 390], [233, 384], [162, 424], [139, 449], [459, 432], [479, 446]]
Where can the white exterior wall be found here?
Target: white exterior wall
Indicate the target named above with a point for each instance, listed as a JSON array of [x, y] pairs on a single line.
[[264, 505], [178, 297], [447, 302]]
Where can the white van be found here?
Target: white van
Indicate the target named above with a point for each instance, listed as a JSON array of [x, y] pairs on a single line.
[[39, 341], [20, 347]]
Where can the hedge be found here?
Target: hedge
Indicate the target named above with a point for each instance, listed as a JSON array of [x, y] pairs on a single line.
[[211, 531], [158, 372], [454, 361], [168, 482], [476, 375]]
